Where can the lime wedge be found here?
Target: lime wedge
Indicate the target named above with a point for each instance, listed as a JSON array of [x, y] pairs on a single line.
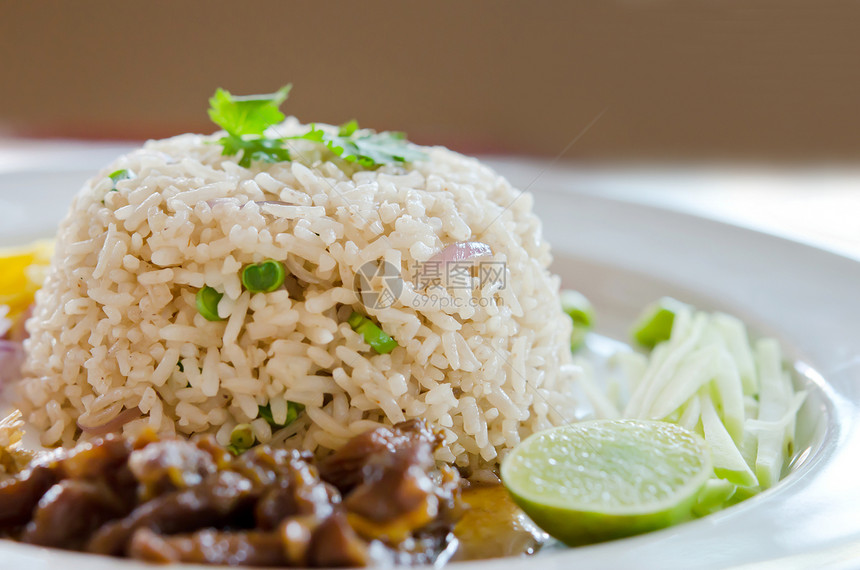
[[604, 479]]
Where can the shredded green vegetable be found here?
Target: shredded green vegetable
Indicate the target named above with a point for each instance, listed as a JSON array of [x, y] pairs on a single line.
[[373, 335], [704, 374], [775, 402], [714, 496]]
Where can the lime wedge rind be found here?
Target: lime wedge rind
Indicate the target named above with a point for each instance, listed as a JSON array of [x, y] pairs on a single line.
[[593, 527], [606, 479]]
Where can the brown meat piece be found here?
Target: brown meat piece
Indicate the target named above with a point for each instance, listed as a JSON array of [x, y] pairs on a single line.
[[19, 496], [295, 498], [94, 460], [69, 512], [395, 484], [249, 548], [335, 545], [221, 499], [104, 461], [395, 489], [344, 468], [101, 461], [169, 465], [265, 466], [190, 501], [332, 543]]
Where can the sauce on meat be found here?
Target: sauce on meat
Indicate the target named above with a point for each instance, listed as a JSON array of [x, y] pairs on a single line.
[[493, 526]]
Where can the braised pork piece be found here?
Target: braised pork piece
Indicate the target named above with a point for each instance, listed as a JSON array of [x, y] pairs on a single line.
[[379, 499]]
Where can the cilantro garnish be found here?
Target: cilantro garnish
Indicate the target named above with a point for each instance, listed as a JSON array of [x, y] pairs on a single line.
[[246, 119], [255, 148], [249, 114], [367, 148]]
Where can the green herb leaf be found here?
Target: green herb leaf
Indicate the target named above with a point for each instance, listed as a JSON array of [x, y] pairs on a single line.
[[367, 148], [261, 149], [348, 129], [249, 114], [246, 118]]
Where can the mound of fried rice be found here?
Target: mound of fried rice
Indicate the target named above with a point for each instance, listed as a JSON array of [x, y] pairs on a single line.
[[116, 328]]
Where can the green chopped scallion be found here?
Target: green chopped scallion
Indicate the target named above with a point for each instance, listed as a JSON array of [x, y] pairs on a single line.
[[579, 309], [372, 333], [263, 277], [207, 303], [293, 411], [116, 176], [121, 174], [655, 323], [355, 319], [242, 438]]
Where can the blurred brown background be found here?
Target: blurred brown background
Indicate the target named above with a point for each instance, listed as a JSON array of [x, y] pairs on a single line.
[[748, 80]]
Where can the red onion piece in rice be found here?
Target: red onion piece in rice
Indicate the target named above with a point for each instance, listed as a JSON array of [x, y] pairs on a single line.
[[112, 425], [11, 360], [463, 251]]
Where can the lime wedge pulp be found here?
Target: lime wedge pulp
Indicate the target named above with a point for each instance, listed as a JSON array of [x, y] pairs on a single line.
[[603, 479]]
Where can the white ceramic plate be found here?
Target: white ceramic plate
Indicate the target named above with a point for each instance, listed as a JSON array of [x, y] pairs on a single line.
[[624, 254]]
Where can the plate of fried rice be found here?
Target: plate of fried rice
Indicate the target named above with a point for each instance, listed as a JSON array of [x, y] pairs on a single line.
[[291, 344]]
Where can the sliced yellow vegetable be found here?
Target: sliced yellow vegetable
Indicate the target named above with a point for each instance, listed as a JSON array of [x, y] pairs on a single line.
[[22, 271]]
